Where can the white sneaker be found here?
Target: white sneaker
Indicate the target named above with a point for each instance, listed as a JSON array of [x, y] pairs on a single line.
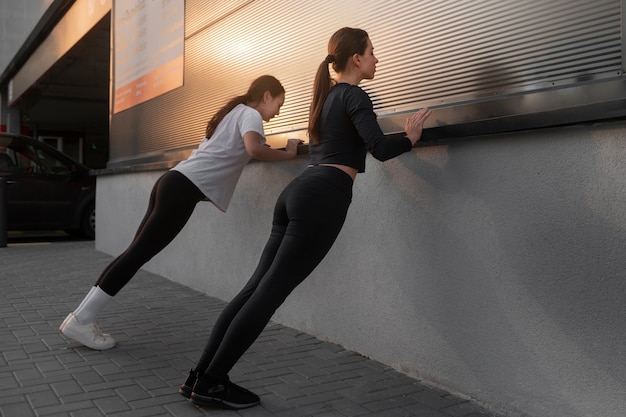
[[89, 335]]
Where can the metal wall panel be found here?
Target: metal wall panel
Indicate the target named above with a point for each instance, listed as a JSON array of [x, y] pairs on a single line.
[[200, 14], [433, 53], [446, 51]]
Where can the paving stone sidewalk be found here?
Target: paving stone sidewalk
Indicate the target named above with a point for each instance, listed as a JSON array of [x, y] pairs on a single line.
[[161, 328]]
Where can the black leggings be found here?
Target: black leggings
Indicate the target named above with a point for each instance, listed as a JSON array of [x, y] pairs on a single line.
[[307, 219], [172, 202]]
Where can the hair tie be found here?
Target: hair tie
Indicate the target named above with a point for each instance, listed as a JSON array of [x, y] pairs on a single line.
[[330, 59]]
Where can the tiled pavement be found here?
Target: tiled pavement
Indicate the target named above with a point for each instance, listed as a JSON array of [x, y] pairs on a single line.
[[161, 328]]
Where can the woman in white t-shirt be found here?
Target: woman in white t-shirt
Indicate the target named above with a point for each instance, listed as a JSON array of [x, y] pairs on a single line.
[[233, 137]]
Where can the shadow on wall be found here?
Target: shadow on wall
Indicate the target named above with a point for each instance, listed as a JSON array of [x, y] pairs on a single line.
[[525, 237]]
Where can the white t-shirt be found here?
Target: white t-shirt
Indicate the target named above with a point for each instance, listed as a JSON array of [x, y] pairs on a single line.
[[217, 164]]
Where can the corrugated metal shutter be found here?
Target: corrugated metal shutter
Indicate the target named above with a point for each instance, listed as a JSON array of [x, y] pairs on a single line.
[[433, 52], [439, 52], [200, 15]]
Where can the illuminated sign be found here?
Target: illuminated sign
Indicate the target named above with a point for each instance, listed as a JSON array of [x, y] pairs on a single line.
[[148, 50]]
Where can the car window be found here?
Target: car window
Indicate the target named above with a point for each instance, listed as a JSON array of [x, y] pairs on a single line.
[[25, 160], [50, 164], [30, 160], [7, 163]]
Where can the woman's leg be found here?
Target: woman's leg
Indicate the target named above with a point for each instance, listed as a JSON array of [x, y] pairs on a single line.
[[314, 210], [151, 204], [172, 202], [230, 311], [96, 299]]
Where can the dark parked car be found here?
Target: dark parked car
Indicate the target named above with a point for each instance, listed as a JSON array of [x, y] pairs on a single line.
[[47, 190]]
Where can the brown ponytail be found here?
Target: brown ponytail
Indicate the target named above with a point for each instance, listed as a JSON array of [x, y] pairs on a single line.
[[253, 96], [342, 45]]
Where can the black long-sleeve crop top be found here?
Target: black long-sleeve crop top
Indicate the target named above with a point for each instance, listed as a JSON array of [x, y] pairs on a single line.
[[348, 129]]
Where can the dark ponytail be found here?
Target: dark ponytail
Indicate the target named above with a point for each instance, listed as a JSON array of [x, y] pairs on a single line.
[[253, 96], [342, 45]]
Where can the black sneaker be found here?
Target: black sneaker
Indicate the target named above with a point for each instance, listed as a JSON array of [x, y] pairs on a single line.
[[187, 387], [222, 394]]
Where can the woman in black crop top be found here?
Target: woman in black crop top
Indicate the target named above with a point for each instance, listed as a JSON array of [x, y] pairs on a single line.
[[308, 215]]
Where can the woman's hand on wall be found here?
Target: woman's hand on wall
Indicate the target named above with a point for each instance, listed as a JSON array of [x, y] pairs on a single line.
[[415, 123]]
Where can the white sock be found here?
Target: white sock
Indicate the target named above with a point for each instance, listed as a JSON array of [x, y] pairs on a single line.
[[93, 303], [82, 303]]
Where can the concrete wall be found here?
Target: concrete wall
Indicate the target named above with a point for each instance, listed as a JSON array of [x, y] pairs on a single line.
[[493, 267]]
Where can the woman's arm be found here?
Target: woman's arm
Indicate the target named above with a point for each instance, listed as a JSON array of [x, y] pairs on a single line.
[[361, 112], [261, 152]]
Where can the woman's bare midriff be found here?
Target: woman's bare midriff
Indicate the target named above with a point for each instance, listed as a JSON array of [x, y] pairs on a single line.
[[348, 170]]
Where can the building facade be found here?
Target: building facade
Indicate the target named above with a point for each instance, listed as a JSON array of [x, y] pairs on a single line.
[[489, 260]]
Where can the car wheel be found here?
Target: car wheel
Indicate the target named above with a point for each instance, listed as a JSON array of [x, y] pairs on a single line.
[[88, 222]]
